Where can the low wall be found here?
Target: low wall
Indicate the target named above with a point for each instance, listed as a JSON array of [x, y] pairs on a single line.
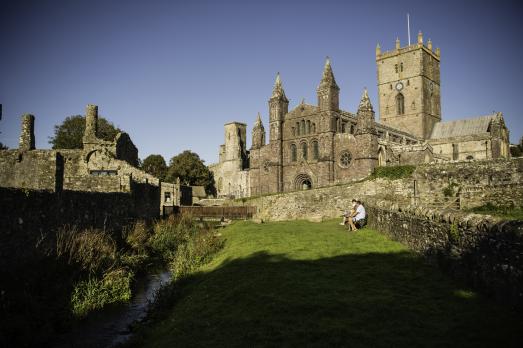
[[485, 252]]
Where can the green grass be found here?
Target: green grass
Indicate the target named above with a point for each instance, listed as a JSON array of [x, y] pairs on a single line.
[[306, 284]]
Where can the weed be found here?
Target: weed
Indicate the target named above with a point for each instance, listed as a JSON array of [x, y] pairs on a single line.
[[92, 249], [93, 293]]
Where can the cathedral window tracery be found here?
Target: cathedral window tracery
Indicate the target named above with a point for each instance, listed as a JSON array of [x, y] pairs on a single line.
[[345, 159]]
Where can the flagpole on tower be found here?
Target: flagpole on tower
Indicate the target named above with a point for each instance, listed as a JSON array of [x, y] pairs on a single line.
[[408, 27]]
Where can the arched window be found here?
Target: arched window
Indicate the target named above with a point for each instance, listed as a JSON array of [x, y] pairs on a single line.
[[400, 104], [293, 131], [302, 127], [293, 153], [304, 150], [315, 150], [298, 128], [314, 128], [401, 66], [308, 127]]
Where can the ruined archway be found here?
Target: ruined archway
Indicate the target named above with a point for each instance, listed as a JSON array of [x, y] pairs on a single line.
[[302, 182]]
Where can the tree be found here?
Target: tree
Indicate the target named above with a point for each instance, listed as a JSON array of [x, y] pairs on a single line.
[[155, 165], [190, 169], [69, 134], [3, 147]]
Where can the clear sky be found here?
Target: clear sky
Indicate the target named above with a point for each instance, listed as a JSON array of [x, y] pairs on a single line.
[[171, 73]]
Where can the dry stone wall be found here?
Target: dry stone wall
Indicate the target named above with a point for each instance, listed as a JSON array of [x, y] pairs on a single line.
[[484, 251]]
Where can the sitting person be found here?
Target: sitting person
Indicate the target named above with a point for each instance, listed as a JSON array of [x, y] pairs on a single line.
[[347, 215], [360, 217]]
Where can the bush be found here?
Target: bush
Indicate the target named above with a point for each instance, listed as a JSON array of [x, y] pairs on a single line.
[[93, 293], [393, 172], [92, 249]]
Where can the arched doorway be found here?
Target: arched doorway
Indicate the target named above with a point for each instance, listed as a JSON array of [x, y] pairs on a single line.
[[302, 182]]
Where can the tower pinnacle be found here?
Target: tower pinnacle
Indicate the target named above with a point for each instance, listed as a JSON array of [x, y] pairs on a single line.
[[328, 76], [277, 91]]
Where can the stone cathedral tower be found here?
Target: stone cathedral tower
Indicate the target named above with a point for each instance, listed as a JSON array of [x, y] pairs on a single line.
[[409, 87], [278, 108]]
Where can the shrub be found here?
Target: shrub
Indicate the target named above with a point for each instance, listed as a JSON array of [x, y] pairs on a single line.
[[92, 249], [93, 293], [393, 172], [170, 233]]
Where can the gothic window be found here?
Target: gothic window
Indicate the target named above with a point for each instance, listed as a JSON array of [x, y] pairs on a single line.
[[396, 67], [401, 66], [293, 153], [314, 127], [304, 150], [293, 131], [345, 159], [302, 127], [298, 128], [315, 150], [400, 104], [308, 127]]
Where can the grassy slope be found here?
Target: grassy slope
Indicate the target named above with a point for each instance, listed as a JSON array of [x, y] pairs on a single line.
[[300, 283]]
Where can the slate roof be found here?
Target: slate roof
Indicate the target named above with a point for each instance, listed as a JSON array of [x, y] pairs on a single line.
[[459, 128]]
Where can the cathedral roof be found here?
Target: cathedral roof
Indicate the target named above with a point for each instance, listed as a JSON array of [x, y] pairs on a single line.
[[459, 128]]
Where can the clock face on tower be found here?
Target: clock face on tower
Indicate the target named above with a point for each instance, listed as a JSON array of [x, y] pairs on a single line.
[[399, 86]]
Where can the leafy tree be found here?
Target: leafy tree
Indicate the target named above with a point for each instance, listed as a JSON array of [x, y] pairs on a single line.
[[190, 169], [69, 134], [3, 147], [155, 165]]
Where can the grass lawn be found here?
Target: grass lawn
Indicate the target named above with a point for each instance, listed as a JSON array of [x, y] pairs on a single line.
[[308, 284]]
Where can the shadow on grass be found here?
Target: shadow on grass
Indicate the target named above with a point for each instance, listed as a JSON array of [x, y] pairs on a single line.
[[356, 300]]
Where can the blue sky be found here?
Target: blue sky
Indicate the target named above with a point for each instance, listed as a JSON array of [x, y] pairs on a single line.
[[171, 73]]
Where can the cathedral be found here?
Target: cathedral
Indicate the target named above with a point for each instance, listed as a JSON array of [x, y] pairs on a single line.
[[321, 145]]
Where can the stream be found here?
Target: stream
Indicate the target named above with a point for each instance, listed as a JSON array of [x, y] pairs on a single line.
[[111, 327]]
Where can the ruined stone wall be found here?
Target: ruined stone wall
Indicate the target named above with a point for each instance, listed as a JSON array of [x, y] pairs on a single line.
[[125, 150], [97, 183], [484, 251], [35, 169]]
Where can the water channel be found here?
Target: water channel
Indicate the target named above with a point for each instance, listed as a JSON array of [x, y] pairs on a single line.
[[111, 327]]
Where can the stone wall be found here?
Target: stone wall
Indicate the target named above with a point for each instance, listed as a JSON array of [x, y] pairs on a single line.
[[470, 184], [484, 251], [33, 170]]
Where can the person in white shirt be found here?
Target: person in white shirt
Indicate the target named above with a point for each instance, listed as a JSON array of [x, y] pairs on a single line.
[[360, 218]]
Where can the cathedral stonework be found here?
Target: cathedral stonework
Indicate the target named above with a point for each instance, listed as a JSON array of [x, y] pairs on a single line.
[[321, 145]]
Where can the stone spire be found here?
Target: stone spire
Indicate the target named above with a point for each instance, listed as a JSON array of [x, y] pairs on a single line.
[[327, 79], [420, 38], [258, 123], [365, 105], [398, 45], [378, 50], [277, 91], [258, 133], [366, 123]]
